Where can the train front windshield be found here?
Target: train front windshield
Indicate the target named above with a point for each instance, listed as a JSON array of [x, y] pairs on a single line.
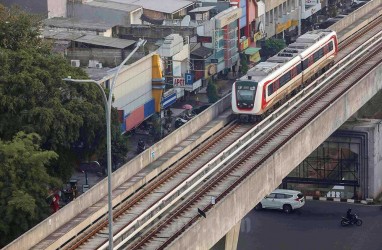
[[245, 94]]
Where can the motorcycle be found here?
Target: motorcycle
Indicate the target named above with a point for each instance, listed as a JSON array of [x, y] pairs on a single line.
[[141, 147], [354, 221], [179, 122]]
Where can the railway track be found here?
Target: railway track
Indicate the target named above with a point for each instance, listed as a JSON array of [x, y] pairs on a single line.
[[182, 217], [133, 219], [141, 206], [359, 37]]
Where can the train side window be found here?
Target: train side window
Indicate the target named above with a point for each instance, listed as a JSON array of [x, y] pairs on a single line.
[[298, 67], [270, 89], [330, 45], [281, 81], [326, 49], [310, 60], [321, 53], [293, 72], [276, 85], [316, 56], [285, 78], [305, 64]]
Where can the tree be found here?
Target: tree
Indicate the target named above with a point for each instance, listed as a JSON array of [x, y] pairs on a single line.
[[212, 92], [118, 145], [33, 98], [273, 46], [24, 184], [244, 65]]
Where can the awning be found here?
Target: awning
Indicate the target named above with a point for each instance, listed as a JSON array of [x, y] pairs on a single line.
[[251, 50], [169, 100], [202, 52]]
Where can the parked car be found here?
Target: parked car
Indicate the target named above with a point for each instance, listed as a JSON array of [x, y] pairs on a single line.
[[283, 199]]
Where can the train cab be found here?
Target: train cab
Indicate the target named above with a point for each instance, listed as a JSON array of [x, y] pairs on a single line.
[[245, 94]]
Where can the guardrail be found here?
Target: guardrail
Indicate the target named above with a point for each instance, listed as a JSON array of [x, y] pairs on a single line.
[[236, 148], [121, 175]]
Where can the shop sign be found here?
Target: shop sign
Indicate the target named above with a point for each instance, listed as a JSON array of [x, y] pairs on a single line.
[[228, 18], [257, 36], [189, 78], [311, 2], [244, 44], [283, 26], [210, 70], [179, 82], [204, 39], [294, 22]]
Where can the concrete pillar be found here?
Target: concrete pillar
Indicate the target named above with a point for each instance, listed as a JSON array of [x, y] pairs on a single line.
[[232, 237]]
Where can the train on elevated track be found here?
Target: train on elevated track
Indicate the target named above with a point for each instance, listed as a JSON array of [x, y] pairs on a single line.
[[270, 83]]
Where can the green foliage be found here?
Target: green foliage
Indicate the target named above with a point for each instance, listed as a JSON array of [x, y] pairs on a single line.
[[69, 117], [24, 184], [212, 92], [18, 29], [244, 65], [118, 145], [273, 46]]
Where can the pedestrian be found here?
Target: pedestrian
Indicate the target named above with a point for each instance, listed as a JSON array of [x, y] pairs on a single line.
[[197, 100]]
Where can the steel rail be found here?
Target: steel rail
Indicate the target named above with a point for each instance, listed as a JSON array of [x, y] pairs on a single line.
[[258, 130], [363, 50], [154, 184]]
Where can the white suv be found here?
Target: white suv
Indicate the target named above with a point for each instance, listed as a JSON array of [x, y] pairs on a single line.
[[286, 200]]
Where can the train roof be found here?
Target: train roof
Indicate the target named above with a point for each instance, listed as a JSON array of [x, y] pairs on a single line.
[[303, 43]]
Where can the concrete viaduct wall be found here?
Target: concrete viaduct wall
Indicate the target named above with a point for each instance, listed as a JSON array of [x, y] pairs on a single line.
[[222, 217], [341, 27], [128, 170]]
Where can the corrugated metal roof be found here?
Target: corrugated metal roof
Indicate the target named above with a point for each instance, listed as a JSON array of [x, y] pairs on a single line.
[[105, 41], [165, 6], [202, 52], [114, 5], [202, 9], [61, 35], [60, 22]]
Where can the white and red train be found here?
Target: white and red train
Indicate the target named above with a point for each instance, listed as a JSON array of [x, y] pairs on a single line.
[[272, 81]]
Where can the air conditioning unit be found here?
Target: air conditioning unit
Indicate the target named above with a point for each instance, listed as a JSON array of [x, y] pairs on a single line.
[[98, 65], [75, 63]]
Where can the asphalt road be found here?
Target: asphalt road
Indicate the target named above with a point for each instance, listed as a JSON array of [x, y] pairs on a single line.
[[315, 226]]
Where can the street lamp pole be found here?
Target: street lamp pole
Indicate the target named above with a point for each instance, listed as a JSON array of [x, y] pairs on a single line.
[[108, 102]]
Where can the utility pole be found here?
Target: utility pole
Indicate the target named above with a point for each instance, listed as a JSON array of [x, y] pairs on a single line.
[[299, 17]]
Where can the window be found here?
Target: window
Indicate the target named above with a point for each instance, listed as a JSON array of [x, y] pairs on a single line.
[[280, 196], [245, 95], [299, 69], [321, 53], [285, 78], [330, 45], [276, 85], [305, 64], [316, 56], [270, 196], [310, 61], [293, 72], [270, 89], [326, 49]]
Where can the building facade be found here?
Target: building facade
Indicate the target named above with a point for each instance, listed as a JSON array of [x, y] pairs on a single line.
[[47, 8]]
